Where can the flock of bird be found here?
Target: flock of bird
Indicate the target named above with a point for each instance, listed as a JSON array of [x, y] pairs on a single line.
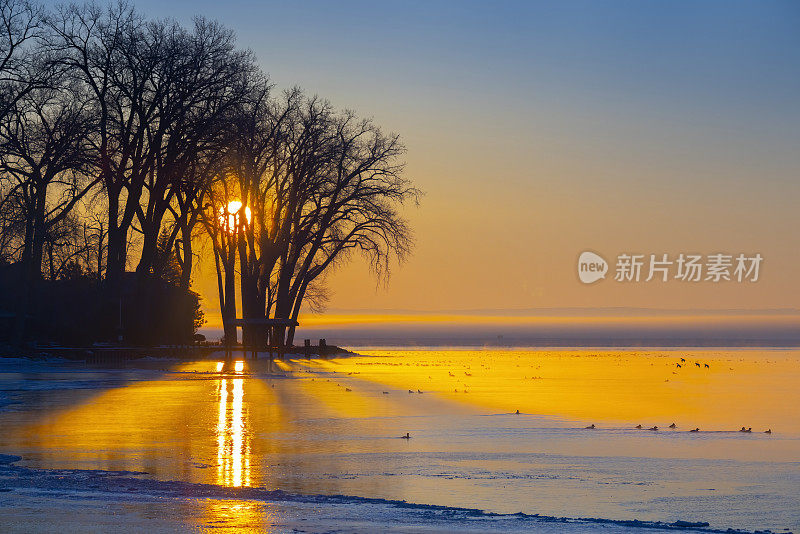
[[638, 427], [697, 364], [673, 426]]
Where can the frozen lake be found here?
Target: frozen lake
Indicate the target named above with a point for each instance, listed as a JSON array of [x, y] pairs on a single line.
[[333, 427]]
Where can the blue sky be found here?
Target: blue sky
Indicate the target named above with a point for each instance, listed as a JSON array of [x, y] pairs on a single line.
[[540, 129]]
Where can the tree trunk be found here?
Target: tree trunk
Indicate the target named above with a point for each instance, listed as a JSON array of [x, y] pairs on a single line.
[[283, 304], [298, 302], [229, 309], [149, 251], [186, 266], [34, 267], [100, 239], [246, 288], [115, 268], [24, 286], [116, 244], [254, 310]]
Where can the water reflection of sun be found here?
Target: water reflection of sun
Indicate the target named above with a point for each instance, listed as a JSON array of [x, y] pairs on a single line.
[[231, 515], [233, 441]]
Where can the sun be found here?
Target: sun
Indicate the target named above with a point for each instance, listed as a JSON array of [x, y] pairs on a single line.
[[231, 212]]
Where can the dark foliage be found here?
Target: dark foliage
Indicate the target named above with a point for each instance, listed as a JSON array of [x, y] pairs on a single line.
[[69, 311]]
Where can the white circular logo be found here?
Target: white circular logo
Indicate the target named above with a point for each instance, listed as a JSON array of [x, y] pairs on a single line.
[[591, 267]]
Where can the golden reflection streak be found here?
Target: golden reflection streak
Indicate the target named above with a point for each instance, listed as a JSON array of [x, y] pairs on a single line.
[[233, 449], [237, 431], [173, 427], [223, 407], [229, 515]]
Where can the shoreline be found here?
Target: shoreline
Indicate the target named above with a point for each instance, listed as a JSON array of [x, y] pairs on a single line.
[[18, 481], [119, 355]]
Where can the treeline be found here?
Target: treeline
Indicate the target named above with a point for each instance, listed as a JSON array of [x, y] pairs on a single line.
[[131, 143]]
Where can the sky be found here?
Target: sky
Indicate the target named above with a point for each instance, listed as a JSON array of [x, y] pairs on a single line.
[[539, 130]]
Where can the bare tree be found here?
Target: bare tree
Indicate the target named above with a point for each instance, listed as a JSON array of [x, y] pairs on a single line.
[[202, 78], [274, 150], [64, 249], [319, 185], [120, 134], [187, 210], [12, 223], [222, 219], [20, 26], [44, 156], [103, 49], [161, 95], [355, 208]]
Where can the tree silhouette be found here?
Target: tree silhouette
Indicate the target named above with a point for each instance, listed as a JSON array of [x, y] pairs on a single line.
[[125, 141]]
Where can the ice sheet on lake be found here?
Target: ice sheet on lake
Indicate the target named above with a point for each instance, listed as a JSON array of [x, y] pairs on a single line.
[[80, 500]]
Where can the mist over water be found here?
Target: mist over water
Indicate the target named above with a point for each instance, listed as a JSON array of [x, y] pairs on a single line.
[[437, 330]]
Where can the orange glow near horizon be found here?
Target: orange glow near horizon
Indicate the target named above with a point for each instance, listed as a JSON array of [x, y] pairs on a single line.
[[368, 318], [345, 320]]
